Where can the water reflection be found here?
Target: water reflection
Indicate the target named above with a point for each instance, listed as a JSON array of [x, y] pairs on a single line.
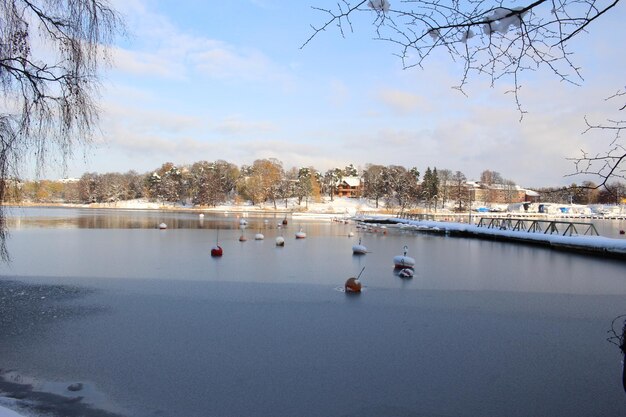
[[65, 218]]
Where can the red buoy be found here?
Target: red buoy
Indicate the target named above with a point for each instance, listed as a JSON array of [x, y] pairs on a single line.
[[216, 251], [353, 285], [621, 232]]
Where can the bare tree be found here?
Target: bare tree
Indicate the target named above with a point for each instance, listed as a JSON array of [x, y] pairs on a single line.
[[609, 164], [486, 36], [51, 52], [489, 38]]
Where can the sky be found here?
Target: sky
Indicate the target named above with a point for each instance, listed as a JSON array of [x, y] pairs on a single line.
[[195, 80]]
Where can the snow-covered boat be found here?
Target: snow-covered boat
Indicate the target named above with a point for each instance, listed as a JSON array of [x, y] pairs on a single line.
[[403, 261], [359, 249]]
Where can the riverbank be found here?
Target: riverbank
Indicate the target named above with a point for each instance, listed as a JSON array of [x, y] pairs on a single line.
[[339, 206]]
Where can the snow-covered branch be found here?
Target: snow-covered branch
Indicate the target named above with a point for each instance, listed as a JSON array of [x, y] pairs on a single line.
[[487, 36]]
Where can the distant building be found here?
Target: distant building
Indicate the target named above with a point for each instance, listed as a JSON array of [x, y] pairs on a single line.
[[502, 193], [350, 187], [68, 180]]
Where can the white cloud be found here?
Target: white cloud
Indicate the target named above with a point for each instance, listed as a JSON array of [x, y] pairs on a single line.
[[402, 102]]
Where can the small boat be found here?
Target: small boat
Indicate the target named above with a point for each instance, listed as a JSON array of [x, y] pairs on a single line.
[[242, 238], [216, 251], [403, 261], [359, 249], [300, 234], [162, 226], [259, 236], [280, 241], [406, 273]]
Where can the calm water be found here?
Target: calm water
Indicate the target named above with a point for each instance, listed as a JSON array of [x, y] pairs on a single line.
[[483, 329]]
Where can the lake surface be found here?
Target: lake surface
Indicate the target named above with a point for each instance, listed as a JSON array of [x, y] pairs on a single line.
[[154, 326]]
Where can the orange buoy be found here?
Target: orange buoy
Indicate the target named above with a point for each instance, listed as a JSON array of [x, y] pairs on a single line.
[[353, 285]]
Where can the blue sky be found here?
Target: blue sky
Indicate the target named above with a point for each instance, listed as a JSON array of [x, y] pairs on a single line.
[[197, 80]]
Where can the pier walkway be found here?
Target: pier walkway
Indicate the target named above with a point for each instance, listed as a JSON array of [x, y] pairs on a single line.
[[538, 226], [554, 234]]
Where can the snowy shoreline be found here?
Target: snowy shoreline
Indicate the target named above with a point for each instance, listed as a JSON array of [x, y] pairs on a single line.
[[594, 245]]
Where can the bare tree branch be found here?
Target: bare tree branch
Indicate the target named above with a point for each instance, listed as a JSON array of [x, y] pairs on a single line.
[[489, 37], [49, 96]]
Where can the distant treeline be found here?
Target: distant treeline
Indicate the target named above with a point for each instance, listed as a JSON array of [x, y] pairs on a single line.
[[266, 181]]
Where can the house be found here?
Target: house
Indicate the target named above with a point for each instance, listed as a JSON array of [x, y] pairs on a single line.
[[350, 187]]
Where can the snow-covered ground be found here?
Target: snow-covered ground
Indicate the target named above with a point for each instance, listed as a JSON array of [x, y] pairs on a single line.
[[6, 412], [339, 206]]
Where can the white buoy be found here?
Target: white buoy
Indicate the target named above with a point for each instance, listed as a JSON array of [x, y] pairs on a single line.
[[350, 234], [359, 249], [300, 234], [403, 261], [280, 241], [201, 215]]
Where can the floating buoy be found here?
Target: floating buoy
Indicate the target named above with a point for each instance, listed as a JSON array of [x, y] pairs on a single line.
[[621, 232], [403, 261], [162, 226], [406, 273], [353, 285], [285, 221], [216, 251], [300, 234], [280, 241], [259, 236], [359, 249]]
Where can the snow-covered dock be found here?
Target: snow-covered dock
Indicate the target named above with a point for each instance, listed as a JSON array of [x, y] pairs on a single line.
[[596, 245]]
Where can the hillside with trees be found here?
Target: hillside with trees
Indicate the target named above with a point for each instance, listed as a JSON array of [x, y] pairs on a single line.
[[266, 182]]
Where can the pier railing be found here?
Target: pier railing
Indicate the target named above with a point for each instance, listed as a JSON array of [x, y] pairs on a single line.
[[538, 226]]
